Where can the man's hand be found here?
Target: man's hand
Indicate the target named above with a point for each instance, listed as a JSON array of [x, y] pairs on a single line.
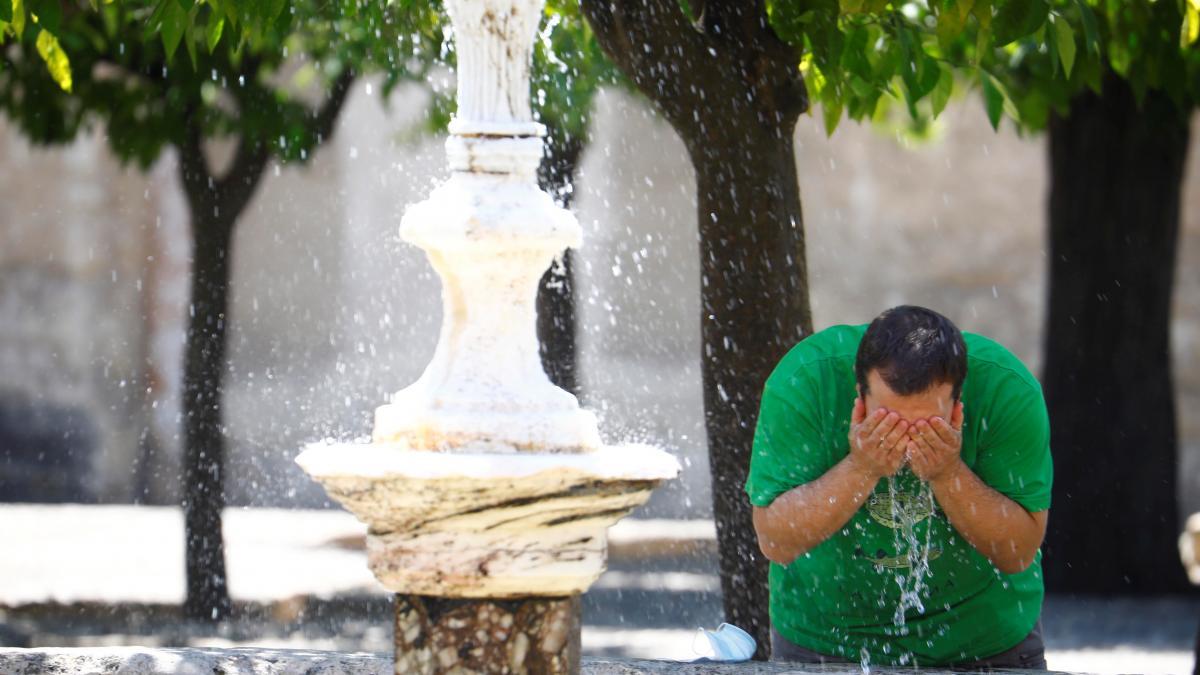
[[877, 442], [934, 446]]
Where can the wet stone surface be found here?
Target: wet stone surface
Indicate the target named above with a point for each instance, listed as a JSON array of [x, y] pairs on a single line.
[[251, 661]]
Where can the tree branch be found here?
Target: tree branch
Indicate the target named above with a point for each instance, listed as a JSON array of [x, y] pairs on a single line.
[[733, 18], [327, 116], [653, 43], [193, 166], [236, 188]]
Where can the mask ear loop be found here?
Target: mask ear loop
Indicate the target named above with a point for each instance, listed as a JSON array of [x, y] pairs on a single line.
[[704, 648]]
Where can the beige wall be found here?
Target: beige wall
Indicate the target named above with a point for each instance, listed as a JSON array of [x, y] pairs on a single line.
[[331, 312]]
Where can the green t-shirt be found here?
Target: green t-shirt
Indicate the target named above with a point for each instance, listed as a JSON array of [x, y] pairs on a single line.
[[841, 597]]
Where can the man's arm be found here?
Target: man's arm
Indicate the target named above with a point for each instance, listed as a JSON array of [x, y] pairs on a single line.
[[996, 526], [808, 514]]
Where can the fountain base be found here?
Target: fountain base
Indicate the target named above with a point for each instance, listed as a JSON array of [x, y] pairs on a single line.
[[487, 525], [535, 635]]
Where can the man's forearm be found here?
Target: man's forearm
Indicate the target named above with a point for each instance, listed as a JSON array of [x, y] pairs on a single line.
[[807, 515], [996, 526]]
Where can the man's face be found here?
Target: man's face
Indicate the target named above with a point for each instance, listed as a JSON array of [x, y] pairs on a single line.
[[934, 402]]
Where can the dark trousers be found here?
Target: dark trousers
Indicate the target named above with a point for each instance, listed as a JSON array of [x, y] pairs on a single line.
[[1029, 654]]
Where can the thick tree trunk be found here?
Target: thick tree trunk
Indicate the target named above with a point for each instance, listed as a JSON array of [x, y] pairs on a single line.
[[204, 434], [732, 91], [556, 294], [1116, 172], [214, 206], [754, 299]]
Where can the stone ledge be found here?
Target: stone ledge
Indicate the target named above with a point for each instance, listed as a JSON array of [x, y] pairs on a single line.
[[252, 661]]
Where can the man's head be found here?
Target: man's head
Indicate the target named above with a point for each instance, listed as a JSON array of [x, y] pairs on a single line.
[[911, 361]]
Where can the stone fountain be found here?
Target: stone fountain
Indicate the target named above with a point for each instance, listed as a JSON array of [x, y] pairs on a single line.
[[486, 489]]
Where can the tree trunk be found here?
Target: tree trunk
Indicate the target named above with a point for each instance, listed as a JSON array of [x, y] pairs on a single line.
[[754, 299], [1116, 172], [733, 92], [215, 204], [556, 293], [204, 433]]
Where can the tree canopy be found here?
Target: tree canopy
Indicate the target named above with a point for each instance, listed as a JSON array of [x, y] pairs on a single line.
[[1028, 57], [145, 67]]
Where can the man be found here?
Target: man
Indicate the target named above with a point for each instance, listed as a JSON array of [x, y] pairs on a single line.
[[901, 481]]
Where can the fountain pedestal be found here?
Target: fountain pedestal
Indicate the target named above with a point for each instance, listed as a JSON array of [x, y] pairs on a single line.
[[486, 489], [487, 552]]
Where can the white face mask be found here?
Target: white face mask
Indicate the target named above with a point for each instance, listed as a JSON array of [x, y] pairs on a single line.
[[726, 643]]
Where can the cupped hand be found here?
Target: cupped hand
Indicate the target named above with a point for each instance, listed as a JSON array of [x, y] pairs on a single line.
[[877, 441], [934, 446]]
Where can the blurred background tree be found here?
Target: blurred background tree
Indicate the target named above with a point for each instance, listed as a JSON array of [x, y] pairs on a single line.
[[271, 78], [268, 79]]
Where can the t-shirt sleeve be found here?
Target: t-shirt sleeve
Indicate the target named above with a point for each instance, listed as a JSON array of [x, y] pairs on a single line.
[[788, 447], [1015, 458]]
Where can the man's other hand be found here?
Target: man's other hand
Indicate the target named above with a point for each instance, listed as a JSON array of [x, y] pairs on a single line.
[[877, 441], [934, 446]]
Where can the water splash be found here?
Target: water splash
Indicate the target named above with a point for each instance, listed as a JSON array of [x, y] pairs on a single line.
[[906, 514]]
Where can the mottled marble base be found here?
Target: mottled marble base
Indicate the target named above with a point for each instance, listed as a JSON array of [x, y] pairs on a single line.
[[534, 635]]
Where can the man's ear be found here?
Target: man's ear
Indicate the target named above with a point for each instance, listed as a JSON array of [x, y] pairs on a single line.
[[956, 416]]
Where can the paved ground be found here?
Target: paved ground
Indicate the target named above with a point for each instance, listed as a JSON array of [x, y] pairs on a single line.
[[85, 576]]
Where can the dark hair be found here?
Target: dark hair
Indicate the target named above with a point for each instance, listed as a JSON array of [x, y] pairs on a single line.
[[913, 349]]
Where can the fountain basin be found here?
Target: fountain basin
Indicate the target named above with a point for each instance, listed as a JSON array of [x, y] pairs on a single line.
[[487, 525]]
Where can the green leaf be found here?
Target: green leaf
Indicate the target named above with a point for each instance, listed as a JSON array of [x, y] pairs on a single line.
[[814, 79], [173, 20], [216, 26], [55, 58], [964, 7], [1017, 18], [831, 111], [993, 100], [982, 11], [854, 54], [190, 40], [18, 20], [1190, 31], [6, 11], [950, 26], [1091, 27], [941, 93], [1065, 41]]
